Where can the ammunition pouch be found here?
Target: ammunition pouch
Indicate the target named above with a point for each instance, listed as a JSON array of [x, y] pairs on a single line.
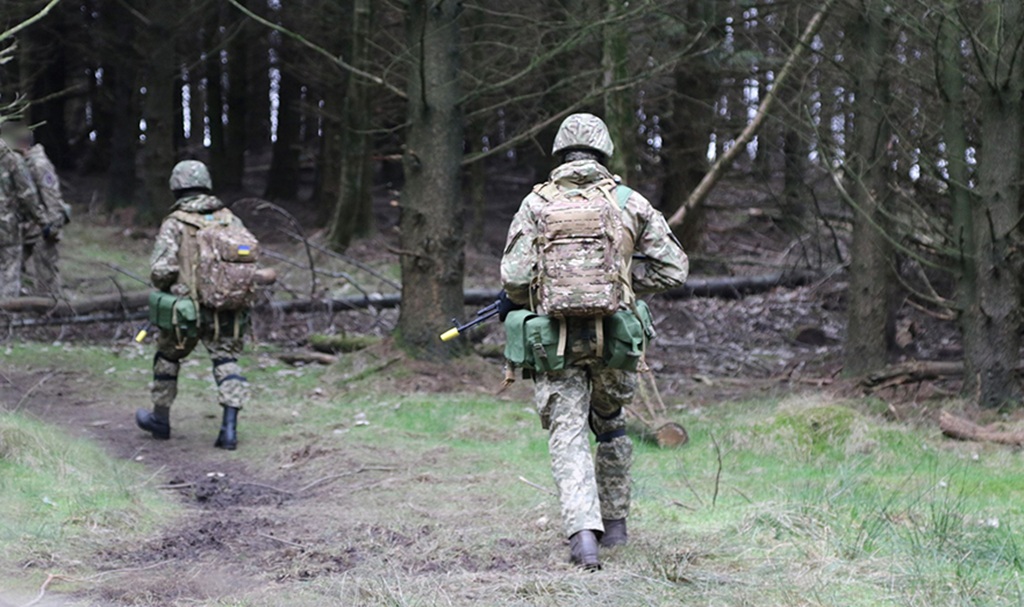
[[177, 313], [531, 341], [626, 336], [534, 342]]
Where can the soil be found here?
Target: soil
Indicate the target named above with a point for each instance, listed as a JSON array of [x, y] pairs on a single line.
[[323, 511]]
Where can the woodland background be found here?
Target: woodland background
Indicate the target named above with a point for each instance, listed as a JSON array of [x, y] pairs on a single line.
[[891, 156]]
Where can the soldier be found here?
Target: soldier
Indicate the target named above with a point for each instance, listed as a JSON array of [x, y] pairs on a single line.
[[19, 202], [594, 492], [40, 240], [221, 331]]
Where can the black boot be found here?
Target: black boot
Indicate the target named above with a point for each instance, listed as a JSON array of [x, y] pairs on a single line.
[[583, 550], [228, 439], [156, 424], [614, 533]]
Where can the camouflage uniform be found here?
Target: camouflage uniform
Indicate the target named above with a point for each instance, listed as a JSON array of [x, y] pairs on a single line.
[[216, 330], [40, 249], [19, 202], [587, 393]]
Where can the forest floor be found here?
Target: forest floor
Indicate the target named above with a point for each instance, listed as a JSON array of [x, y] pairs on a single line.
[[382, 480]]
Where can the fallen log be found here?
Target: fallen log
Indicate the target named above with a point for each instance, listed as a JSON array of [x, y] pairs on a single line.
[[963, 429], [86, 309], [911, 372]]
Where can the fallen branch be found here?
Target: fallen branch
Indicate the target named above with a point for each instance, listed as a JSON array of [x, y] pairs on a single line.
[[963, 429], [305, 358], [911, 372], [538, 487]]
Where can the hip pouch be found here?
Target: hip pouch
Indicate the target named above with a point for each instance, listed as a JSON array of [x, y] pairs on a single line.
[[532, 340], [170, 312], [626, 336]]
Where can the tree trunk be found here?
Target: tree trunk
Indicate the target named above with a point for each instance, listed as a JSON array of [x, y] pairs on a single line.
[[215, 97], [793, 204], [871, 259], [238, 101], [48, 64], [619, 107], [992, 316], [120, 83], [688, 128], [353, 216], [156, 43], [283, 180], [432, 244]]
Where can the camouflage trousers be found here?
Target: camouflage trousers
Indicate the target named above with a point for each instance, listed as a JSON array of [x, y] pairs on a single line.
[[232, 387], [40, 265], [10, 269], [572, 403]]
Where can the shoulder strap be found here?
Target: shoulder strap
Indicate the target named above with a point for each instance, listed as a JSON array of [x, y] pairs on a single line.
[[188, 253], [622, 194]]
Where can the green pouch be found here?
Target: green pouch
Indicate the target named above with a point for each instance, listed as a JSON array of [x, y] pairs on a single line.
[[531, 341], [626, 335], [170, 312]]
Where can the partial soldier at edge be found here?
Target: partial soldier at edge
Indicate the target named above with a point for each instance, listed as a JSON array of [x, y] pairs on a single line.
[[40, 240], [19, 204], [583, 380]]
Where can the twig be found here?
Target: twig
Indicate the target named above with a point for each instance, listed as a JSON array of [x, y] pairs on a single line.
[[176, 486], [42, 591], [682, 505], [718, 471], [334, 477], [17, 28], [277, 539], [538, 487], [29, 392]]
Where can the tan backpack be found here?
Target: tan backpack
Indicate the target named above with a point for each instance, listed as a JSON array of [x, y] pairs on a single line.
[[224, 255], [584, 256]]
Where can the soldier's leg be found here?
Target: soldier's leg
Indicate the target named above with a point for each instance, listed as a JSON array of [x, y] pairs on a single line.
[[10, 266], [45, 270], [164, 389], [612, 389], [563, 401], [232, 387]]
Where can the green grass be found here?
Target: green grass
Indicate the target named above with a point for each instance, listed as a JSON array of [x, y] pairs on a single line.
[[807, 500], [63, 498]]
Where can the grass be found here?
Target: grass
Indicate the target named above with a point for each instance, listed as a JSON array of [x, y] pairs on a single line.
[[803, 500], [63, 498]]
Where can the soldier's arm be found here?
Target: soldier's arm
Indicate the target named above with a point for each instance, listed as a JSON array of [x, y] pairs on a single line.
[[519, 263], [30, 205], [163, 263], [666, 265]]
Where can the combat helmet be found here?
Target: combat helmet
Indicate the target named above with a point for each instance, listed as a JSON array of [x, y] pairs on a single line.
[[190, 174], [583, 131]]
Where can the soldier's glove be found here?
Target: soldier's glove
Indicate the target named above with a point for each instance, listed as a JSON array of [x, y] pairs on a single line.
[[51, 233], [505, 305]]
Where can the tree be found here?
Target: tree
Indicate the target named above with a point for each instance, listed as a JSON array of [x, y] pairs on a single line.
[[156, 43], [990, 317], [431, 205], [869, 318]]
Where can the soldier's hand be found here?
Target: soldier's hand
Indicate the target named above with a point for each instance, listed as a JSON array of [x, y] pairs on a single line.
[[505, 305]]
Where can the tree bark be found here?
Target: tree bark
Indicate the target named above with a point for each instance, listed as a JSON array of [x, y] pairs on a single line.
[[353, 216], [871, 259], [619, 107], [433, 256], [283, 180], [156, 43], [992, 316], [121, 84], [237, 101]]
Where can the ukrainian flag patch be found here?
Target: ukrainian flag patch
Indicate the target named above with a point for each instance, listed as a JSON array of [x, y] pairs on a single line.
[[244, 249]]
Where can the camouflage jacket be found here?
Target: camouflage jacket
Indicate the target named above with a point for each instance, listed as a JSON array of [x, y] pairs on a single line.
[[44, 175], [19, 199], [165, 263], [666, 265]]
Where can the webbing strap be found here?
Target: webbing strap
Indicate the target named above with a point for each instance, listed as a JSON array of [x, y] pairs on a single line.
[[599, 330], [563, 336], [231, 377], [611, 435], [164, 377], [613, 415]]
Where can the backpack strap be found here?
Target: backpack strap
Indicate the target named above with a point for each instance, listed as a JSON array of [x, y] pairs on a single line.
[[188, 252], [622, 194]]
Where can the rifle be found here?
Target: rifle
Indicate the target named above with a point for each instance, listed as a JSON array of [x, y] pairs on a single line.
[[482, 315]]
